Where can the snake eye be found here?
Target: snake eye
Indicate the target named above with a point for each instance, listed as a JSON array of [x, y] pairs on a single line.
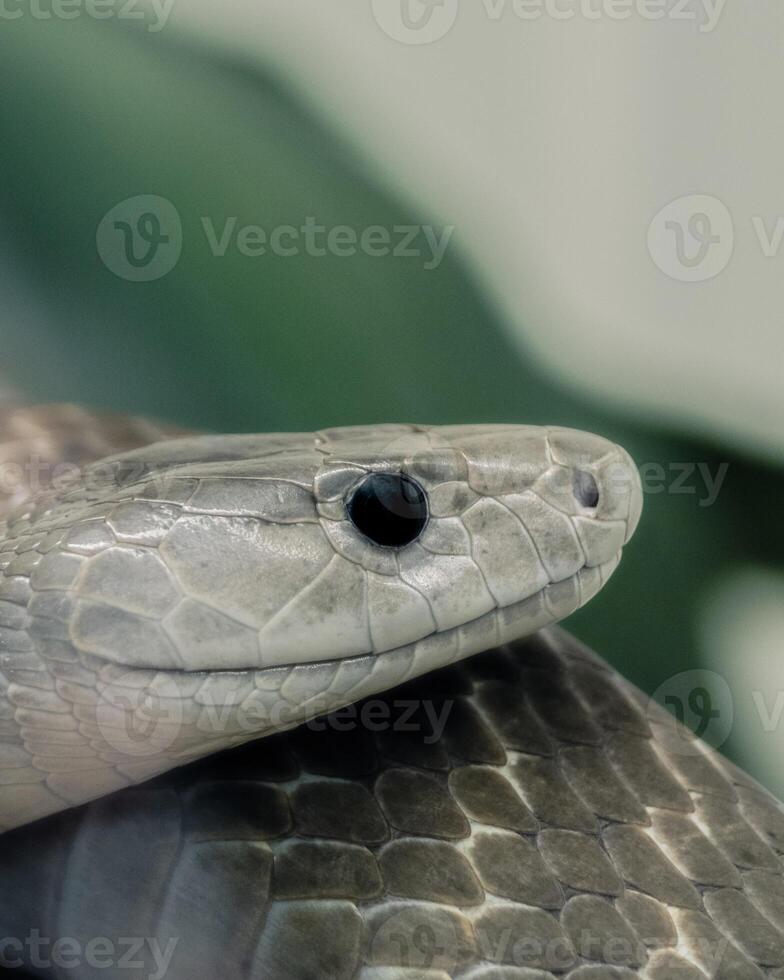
[[388, 508], [585, 490]]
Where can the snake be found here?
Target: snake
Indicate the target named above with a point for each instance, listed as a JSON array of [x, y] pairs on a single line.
[[296, 706]]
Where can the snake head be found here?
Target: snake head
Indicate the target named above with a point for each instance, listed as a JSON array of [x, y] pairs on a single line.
[[252, 552], [246, 583]]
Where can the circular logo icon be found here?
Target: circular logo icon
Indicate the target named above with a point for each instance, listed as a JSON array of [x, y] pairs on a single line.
[[415, 21], [692, 238], [140, 239], [135, 720], [420, 939], [700, 701]]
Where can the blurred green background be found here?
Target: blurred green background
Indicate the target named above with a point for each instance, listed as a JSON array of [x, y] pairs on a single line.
[[95, 113]]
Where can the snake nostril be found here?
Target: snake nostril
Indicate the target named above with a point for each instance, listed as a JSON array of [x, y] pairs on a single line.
[[388, 508], [585, 489]]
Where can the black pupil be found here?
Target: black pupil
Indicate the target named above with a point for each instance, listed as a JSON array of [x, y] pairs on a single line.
[[585, 489], [388, 508]]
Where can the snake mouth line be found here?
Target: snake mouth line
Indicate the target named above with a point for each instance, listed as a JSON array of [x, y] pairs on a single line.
[[604, 570]]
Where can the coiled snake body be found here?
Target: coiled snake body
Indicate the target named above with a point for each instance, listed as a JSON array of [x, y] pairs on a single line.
[[435, 796]]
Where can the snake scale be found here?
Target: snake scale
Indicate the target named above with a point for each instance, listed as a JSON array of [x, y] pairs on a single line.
[[449, 785]]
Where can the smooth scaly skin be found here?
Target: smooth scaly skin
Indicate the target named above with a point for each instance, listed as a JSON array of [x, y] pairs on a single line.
[[557, 819]]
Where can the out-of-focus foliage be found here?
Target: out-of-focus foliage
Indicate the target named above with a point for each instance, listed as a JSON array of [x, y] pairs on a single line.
[[93, 114]]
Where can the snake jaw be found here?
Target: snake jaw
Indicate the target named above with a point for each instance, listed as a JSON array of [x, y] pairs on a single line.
[[144, 722]]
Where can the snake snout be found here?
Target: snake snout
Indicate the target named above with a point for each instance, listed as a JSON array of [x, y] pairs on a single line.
[[634, 493], [601, 490]]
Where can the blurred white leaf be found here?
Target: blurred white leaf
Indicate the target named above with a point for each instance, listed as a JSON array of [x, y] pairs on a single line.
[[557, 147], [741, 631]]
